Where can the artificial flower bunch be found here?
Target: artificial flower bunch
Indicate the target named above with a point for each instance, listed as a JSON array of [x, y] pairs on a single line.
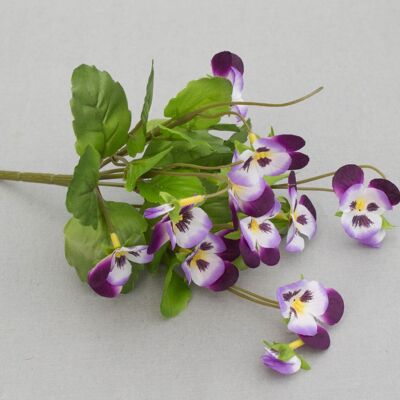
[[215, 200]]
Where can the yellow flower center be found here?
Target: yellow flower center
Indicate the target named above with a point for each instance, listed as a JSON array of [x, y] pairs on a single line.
[[198, 256], [115, 240], [262, 154], [298, 306], [188, 201], [360, 204], [252, 137], [253, 225]]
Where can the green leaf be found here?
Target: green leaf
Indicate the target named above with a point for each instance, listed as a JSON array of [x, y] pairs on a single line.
[[386, 224], [233, 235], [85, 246], [100, 109], [196, 95], [338, 213], [272, 180], [177, 186], [304, 364], [240, 264], [137, 140], [240, 147], [218, 209], [137, 168], [176, 293], [225, 128], [240, 136], [284, 350], [271, 132], [82, 200], [158, 255]]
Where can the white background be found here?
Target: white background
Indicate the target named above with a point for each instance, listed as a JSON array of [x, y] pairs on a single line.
[[60, 341]]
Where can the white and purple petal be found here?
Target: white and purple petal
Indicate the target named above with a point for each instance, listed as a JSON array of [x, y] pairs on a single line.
[[192, 228], [138, 254], [292, 190], [260, 206], [374, 241], [294, 242], [206, 268], [361, 226], [271, 360], [213, 244], [155, 212], [304, 221], [120, 272], [250, 257], [232, 251], [345, 177], [222, 62], [306, 202], [162, 233], [97, 279], [227, 279], [334, 312]]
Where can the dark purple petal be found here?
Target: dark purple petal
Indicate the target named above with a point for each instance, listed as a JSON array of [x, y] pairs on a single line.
[[299, 160], [222, 63], [270, 257], [306, 202], [97, 279], [233, 208], [160, 236], [389, 188], [99, 273], [320, 341], [335, 310], [228, 278], [292, 180], [290, 142], [232, 251], [260, 206], [251, 258], [347, 176]]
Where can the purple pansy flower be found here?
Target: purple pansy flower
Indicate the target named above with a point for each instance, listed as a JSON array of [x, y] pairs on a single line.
[[271, 156], [362, 207], [191, 228], [231, 253], [260, 239], [110, 274], [303, 302], [204, 266], [254, 198], [286, 367], [303, 217], [230, 66]]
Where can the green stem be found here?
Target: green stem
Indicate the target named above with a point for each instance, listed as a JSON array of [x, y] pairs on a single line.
[[201, 167], [191, 115], [227, 113], [328, 174], [197, 174], [255, 298], [215, 194], [285, 186]]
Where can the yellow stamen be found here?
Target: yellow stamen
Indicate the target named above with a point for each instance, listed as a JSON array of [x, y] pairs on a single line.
[[298, 306], [253, 225], [296, 344], [198, 256], [115, 240], [188, 201], [252, 137], [360, 204], [262, 154]]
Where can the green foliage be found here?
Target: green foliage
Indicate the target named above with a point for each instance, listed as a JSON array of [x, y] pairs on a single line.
[[284, 350], [240, 147], [157, 257], [199, 147], [386, 224], [137, 168], [304, 364], [82, 200], [338, 213], [85, 245], [235, 235], [196, 95], [176, 293], [100, 109], [240, 135], [218, 209], [177, 186], [240, 264], [137, 140], [272, 180]]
